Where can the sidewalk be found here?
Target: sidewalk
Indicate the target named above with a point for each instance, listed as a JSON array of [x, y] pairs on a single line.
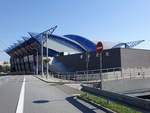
[[70, 83]]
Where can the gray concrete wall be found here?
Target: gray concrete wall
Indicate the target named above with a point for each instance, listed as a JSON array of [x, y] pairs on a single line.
[[135, 58], [128, 86]]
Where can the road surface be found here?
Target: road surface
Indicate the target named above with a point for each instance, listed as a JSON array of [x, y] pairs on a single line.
[[36, 96]]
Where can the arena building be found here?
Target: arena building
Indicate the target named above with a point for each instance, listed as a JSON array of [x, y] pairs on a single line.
[[70, 53]]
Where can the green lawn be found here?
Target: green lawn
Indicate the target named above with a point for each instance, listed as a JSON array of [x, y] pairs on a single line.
[[108, 104]]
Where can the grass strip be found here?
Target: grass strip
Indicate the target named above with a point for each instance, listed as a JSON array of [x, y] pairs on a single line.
[[109, 104]]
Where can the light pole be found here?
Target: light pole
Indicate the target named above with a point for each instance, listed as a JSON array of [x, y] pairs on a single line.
[[42, 56], [87, 64], [37, 60], [49, 31], [47, 53]]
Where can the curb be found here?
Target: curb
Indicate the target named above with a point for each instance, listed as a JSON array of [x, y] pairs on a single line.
[[65, 82], [44, 80], [107, 110]]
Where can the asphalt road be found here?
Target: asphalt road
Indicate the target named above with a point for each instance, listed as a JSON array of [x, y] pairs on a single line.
[[41, 97]]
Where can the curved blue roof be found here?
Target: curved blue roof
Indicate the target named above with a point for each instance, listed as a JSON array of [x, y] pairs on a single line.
[[121, 44], [76, 42], [89, 45], [129, 44], [60, 39], [69, 43]]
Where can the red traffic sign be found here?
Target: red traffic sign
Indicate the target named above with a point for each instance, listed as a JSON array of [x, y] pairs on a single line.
[[99, 47]]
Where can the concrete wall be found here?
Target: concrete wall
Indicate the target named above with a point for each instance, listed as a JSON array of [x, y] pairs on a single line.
[[77, 62], [135, 58], [128, 86]]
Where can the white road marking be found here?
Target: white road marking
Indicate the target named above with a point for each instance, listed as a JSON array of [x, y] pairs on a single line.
[[20, 105]]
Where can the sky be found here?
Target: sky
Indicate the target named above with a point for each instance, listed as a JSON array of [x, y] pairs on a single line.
[[98, 20]]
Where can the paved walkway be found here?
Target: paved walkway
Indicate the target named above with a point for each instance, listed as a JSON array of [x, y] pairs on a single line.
[[49, 79]]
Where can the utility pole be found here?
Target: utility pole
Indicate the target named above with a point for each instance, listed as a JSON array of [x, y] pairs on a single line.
[[47, 52], [37, 60], [43, 39], [42, 56], [87, 64]]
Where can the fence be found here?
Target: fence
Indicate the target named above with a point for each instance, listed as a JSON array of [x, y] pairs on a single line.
[[107, 74]]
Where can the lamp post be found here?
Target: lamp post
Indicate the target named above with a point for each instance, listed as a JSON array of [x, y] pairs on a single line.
[[49, 31], [87, 64], [42, 56], [45, 37], [47, 53], [37, 60]]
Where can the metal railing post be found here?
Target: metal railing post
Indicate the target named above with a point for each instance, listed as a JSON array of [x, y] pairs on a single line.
[[100, 70]]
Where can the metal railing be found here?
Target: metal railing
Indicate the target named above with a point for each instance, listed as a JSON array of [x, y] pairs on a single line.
[[107, 74]]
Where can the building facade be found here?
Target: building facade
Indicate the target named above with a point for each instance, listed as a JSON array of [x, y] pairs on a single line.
[[67, 53]]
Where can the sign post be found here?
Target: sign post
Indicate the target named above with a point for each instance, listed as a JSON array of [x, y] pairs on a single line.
[[99, 50]]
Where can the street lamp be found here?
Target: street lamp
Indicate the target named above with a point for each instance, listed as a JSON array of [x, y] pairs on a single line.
[[37, 60], [45, 38], [42, 56], [87, 64], [47, 53]]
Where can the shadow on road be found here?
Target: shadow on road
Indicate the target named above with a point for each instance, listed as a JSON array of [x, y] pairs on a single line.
[[78, 105], [40, 101], [85, 109]]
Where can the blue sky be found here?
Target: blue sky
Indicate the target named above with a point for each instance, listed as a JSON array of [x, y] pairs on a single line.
[[102, 20]]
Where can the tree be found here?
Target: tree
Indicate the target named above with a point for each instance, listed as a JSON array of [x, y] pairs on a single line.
[[47, 60], [5, 68]]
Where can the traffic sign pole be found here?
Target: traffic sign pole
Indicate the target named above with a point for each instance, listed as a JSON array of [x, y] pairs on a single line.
[[99, 50], [100, 59]]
